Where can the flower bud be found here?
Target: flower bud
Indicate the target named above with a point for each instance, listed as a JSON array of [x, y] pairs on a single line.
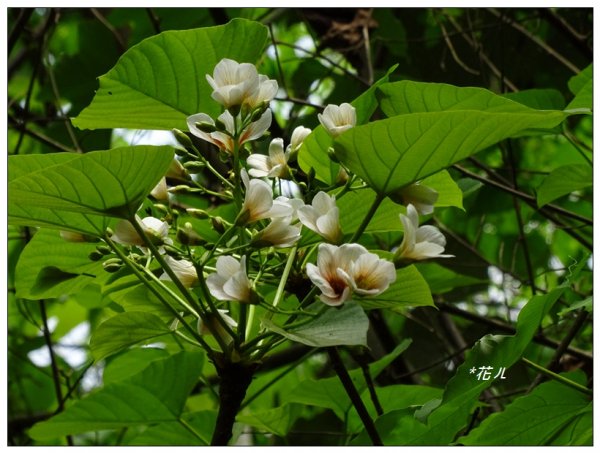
[[104, 249], [217, 224], [112, 265], [182, 138], [332, 156], [194, 166], [95, 256], [187, 235], [198, 213], [206, 127], [172, 251]]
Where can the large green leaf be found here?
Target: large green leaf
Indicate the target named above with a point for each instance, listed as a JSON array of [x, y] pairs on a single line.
[[51, 267], [124, 330], [80, 193], [400, 98], [277, 421], [313, 153], [159, 82], [538, 98], [154, 395], [193, 428], [346, 325], [535, 419], [563, 181], [409, 290], [392, 153]]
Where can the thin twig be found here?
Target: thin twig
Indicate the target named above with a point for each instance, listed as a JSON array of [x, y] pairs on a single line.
[[452, 49], [15, 124], [21, 22], [358, 404], [154, 20], [535, 39], [110, 28]]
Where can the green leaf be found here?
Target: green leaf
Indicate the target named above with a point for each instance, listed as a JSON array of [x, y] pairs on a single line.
[[159, 82], [346, 325], [355, 205], [392, 153], [400, 98], [582, 86], [449, 194], [194, 428], [563, 181], [51, 267], [156, 394], [313, 153], [129, 363], [536, 418], [277, 421], [409, 290], [79, 194], [538, 98], [124, 330]]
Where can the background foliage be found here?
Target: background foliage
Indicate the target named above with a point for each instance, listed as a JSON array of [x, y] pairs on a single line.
[[518, 219]]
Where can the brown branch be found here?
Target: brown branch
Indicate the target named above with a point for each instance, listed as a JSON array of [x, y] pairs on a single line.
[[452, 49], [535, 39], [154, 20], [121, 43], [21, 22]]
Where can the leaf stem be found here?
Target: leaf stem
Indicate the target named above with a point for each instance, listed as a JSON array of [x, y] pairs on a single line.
[[558, 377], [363, 226]]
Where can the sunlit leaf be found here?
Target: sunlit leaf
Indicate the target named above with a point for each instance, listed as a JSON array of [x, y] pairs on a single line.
[[81, 193], [124, 330], [159, 82], [346, 325]]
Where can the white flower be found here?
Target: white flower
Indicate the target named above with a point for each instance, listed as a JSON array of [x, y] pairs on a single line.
[[160, 190], [419, 242], [340, 271], [337, 119], [230, 282], [156, 230], [233, 82], [323, 217], [272, 166], [279, 233], [258, 202], [421, 197], [267, 89], [298, 136], [294, 203], [183, 269]]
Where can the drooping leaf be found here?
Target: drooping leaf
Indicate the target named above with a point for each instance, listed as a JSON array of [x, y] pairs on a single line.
[[346, 325], [156, 394], [51, 267], [582, 86], [579, 81], [81, 193], [535, 419], [563, 181], [159, 82], [124, 330], [409, 290], [313, 153], [392, 153], [449, 194]]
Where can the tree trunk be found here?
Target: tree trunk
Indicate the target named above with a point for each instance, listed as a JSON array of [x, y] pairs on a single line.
[[235, 380]]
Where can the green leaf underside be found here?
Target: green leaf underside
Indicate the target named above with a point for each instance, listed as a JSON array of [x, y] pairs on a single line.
[[277, 421], [159, 82], [79, 194], [124, 330], [346, 325], [536, 418], [51, 267], [582, 86], [194, 428], [154, 395], [563, 181], [400, 98], [578, 82], [313, 153], [392, 153], [538, 98]]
